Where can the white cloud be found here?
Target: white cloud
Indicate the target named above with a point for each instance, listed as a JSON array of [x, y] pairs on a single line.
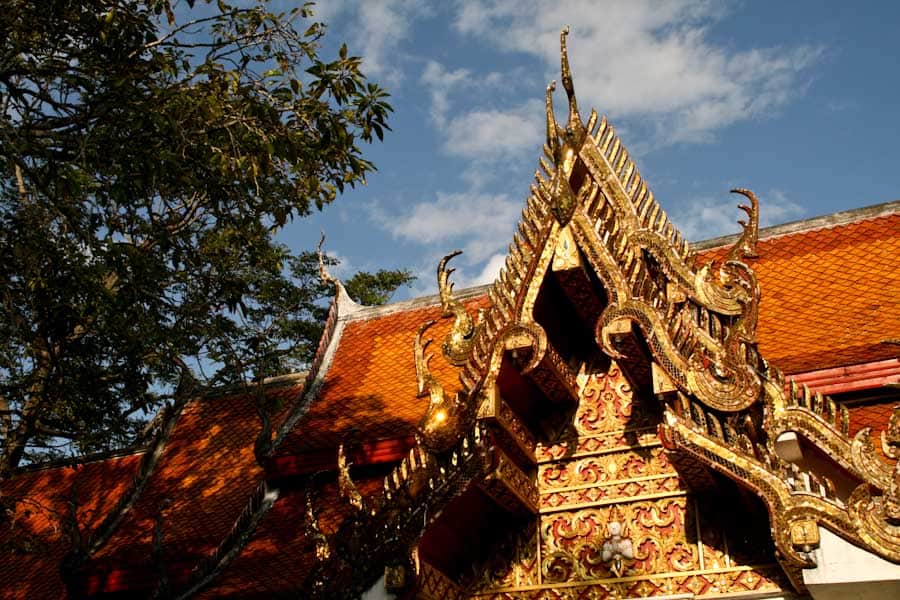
[[491, 270], [376, 29], [484, 134], [705, 218], [495, 134], [441, 83], [645, 59], [478, 223]]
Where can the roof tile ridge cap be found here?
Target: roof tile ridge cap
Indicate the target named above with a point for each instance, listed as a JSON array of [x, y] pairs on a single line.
[[419, 302], [328, 344], [240, 389], [813, 224], [98, 538], [208, 568]]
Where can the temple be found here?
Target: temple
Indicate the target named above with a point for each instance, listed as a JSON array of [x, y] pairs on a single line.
[[621, 414]]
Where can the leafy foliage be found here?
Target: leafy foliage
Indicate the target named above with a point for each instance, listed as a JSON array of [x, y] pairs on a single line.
[[149, 153]]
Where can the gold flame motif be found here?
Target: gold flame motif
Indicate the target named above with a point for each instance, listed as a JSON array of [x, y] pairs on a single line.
[[746, 245]]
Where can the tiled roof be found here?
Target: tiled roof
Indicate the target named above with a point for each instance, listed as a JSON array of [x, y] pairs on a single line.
[[370, 385], [829, 296], [204, 477], [278, 558], [834, 288], [874, 415], [34, 540]]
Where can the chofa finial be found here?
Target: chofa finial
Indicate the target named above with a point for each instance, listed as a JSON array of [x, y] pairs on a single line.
[[567, 83], [323, 270], [563, 143], [746, 245], [345, 303], [458, 342]]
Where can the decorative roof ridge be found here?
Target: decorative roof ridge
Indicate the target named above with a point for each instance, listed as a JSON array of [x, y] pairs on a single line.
[[207, 569], [318, 368], [164, 423], [231, 389], [140, 448], [827, 221], [73, 462], [375, 312]]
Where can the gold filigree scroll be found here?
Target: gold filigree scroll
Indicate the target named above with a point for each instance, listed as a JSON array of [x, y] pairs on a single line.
[[346, 486], [603, 471], [707, 350], [877, 515], [458, 344], [746, 245], [442, 424]]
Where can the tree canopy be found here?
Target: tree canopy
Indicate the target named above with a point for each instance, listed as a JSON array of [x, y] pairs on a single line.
[[149, 154]]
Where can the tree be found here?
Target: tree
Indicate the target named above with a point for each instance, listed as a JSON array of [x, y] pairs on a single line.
[[149, 153]]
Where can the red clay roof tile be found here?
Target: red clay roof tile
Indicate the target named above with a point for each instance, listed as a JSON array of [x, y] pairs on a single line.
[[829, 296], [202, 482], [34, 541], [370, 385]]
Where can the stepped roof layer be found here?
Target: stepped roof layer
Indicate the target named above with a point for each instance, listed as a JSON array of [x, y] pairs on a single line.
[[199, 488], [370, 385]]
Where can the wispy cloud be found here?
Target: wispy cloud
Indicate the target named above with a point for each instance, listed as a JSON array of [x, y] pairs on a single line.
[[480, 223], [495, 134], [648, 60], [377, 29], [480, 133], [705, 218]]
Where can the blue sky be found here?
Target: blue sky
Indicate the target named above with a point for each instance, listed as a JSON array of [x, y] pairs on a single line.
[[797, 101]]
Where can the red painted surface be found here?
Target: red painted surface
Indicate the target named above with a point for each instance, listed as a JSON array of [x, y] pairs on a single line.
[[853, 378]]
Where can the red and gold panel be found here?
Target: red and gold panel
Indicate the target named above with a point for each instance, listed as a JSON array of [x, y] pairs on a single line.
[[610, 466]]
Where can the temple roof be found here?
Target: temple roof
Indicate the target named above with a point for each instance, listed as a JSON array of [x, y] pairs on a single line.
[[827, 283], [35, 541]]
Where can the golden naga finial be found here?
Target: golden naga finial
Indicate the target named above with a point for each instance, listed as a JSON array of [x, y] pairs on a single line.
[[870, 510], [573, 125], [746, 245], [563, 154], [347, 488], [458, 343], [441, 424]]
